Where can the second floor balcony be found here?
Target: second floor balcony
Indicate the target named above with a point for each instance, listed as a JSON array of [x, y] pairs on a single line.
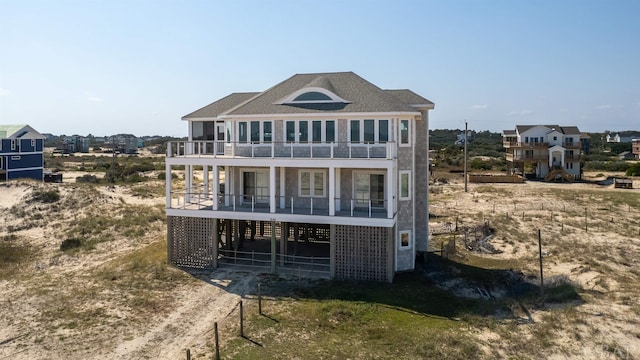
[[361, 206], [334, 150]]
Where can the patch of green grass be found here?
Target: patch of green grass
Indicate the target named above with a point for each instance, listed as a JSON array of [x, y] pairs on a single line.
[[408, 319]]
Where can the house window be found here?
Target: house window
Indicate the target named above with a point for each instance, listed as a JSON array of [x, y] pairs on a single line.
[[318, 131], [404, 132], [405, 185], [267, 132], [312, 183], [255, 186], [330, 129], [255, 131], [312, 96], [303, 133], [383, 131], [369, 131], [368, 189], [555, 138], [291, 131], [355, 131], [33, 144], [405, 239], [13, 144], [15, 157], [242, 132]]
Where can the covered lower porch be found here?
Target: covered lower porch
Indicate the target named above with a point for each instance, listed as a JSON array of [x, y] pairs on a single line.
[[314, 250]]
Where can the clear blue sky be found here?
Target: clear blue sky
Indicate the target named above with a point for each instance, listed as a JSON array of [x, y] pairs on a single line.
[[104, 67]]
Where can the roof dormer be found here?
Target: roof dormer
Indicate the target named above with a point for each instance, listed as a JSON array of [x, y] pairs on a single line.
[[312, 95], [318, 91]]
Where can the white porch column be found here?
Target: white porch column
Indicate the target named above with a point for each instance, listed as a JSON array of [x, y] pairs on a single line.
[[228, 174], [167, 180], [390, 191], [332, 191], [205, 179], [216, 186], [337, 190], [550, 160], [272, 191], [282, 187], [562, 159], [188, 181]]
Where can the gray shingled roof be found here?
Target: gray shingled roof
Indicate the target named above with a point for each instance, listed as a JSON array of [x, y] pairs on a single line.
[[409, 97], [362, 96], [567, 130], [221, 106]]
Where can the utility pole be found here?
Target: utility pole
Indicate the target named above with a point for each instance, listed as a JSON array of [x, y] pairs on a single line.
[[465, 156]]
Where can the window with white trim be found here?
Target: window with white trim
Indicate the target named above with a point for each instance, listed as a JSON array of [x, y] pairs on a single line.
[[369, 131], [405, 132], [311, 183], [304, 131], [13, 144], [255, 132], [405, 185], [33, 144], [15, 157], [405, 240]]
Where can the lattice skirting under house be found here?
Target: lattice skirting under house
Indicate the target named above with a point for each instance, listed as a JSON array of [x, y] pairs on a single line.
[[363, 253], [190, 242]]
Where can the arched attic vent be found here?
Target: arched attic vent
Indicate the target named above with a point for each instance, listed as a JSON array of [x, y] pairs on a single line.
[[318, 91]]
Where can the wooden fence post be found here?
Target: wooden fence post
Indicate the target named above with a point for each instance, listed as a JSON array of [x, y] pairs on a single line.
[[241, 320], [259, 300], [215, 333], [541, 276], [188, 354]]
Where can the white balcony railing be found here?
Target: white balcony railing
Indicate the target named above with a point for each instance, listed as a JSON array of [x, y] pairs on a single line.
[[333, 150], [292, 204]]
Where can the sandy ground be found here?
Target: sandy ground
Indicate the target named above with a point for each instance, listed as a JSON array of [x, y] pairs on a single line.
[[186, 318]]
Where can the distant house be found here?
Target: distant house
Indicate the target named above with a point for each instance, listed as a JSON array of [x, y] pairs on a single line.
[[626, 155], [21, 152], [550, 151], [75, 143], [635, 148], [613, 138]]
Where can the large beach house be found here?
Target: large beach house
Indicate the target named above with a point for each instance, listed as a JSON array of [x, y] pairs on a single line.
[[323, 173], [549, 152]]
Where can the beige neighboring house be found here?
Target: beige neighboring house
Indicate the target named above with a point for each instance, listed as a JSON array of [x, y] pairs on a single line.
[[323, 173], [549, 152], [635, 148]]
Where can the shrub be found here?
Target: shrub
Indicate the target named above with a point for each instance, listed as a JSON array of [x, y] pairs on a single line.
[[46, 197], [71, 243], [87, 178], [633, 170]]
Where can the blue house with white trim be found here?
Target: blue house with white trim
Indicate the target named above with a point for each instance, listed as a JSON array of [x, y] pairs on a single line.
[[21, 153]]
